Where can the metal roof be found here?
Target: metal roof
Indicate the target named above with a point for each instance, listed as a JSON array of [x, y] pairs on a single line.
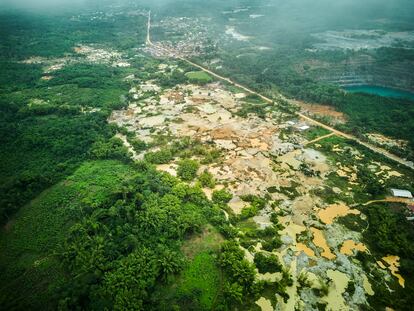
[[401, 193]]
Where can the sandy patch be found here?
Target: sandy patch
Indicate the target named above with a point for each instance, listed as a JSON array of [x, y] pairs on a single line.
[[317, 159], [270, 277], [322, 110], [381, 264], [303, 248], [152, 121], [335, 299], [236, 204], [209, 192], [239, 95], [135, 156], [207, 108], [333, 211], [338, 149], [349, 246], [46, 78], [225, 144], [320, 241], [291, 229], [386, 141], [168, 168], [393, 263], [224, 132], [263, 221], [264, 304], [291, 159], [302, 207], [367, 286], [249, 256]]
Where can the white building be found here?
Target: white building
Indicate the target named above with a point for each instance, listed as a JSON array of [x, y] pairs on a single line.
[[304, 127], [401, 193]]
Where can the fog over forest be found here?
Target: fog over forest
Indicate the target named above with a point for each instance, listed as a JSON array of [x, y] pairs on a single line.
[[293, 15]]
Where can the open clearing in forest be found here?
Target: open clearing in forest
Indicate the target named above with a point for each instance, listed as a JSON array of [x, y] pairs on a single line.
[[199, 76]]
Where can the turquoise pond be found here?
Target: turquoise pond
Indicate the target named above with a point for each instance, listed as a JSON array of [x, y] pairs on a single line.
[[381, 91]]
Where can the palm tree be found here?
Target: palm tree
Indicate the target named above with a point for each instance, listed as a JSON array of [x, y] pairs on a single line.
[[170, 263]]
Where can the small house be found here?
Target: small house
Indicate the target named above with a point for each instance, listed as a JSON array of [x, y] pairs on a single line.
[[401, 193], [304, 127]]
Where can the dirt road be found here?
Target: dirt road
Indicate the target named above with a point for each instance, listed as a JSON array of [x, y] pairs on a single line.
[[319, 138], [373, 148], [391, 199], [148, 40]]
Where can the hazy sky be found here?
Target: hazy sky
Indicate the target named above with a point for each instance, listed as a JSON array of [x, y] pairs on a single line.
[[322, 7], [39, 3]]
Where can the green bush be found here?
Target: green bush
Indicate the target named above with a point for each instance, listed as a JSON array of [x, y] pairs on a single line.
[[274, 243], [248, 212], [222, 196], [267, 263], [240, 273], [139, 145], [211, 156], [159, 157], [187, 169], [113, 149], [254, 200], [207, 180]]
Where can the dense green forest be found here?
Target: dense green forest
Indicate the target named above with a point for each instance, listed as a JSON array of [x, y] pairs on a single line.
[[44, 129]]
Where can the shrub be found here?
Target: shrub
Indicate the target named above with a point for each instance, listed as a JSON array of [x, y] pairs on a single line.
[[187, 169], [139, 145], [222, 196], [274, 243], [112, 149], [267, 263], [211, 156], [207, 180], [274, 218], [254, 200], [159, 157], [271, 231], [248, 212]]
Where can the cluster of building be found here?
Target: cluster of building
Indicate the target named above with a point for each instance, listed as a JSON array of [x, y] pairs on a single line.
[[192, 38]]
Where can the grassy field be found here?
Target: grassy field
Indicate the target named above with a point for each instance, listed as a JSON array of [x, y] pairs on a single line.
[[199, 285], [203, 276], [199, 77], [28, 243], [315, 132]]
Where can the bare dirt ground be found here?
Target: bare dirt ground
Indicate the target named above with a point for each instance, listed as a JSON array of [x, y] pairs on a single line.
[[322, 111], [254, 162]]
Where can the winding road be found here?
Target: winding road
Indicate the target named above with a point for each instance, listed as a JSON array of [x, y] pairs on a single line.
[[333, 131]]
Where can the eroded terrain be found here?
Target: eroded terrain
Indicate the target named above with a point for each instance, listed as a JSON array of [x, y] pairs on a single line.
[[269, 156]]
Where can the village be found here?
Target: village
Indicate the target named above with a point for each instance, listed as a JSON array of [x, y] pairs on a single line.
[[192, 37]]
